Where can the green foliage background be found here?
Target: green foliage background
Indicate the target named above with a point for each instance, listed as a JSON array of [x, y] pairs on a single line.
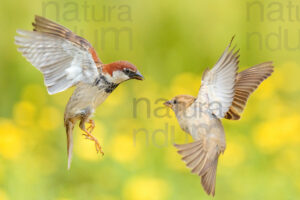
[[172, 43]]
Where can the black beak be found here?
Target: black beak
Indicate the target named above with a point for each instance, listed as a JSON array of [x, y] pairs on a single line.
[[168, 104], [136, 75]]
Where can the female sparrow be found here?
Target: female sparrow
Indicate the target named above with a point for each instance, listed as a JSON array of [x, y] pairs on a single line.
[[67, 60], [223, 94]]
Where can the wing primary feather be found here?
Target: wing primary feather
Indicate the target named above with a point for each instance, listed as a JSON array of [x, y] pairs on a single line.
[[246, 83], [64, 58]]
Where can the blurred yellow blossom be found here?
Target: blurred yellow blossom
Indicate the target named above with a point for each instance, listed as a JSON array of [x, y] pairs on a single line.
[[11, 141], [122, 148], [50, 118], [272, 135], [146, 188], [24, 113]]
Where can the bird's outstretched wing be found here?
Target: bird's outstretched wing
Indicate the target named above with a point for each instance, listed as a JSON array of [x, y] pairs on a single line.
[[64, 58], [202, 158], [217, 86], [246, 82]]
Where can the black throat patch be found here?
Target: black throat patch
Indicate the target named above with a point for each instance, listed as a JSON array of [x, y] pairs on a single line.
[[102, 83]]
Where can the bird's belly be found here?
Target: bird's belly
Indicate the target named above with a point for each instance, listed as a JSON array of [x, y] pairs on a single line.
[[99, 98], [199, 125], [85, 99], [94, 97]]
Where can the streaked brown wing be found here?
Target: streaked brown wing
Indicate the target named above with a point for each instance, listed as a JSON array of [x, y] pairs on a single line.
[[246, 83]]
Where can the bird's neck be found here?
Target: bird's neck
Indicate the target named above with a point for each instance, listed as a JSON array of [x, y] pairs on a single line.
[[104, 84]]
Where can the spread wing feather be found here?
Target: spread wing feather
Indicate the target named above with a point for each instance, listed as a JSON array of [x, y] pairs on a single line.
[[64, 58], [217, 86], [202, 159], [246, 82]]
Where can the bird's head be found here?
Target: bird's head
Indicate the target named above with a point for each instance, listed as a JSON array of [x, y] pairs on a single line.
[[180, 103], [120, 71]]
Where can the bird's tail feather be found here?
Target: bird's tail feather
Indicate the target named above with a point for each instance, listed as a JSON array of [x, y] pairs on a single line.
[[69, 130], [202, 162]]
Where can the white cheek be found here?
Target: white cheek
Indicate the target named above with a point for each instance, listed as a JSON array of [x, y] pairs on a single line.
[[119, 76]]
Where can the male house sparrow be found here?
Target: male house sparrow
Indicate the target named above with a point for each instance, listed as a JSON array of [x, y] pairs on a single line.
[[223, 94], [67, 60]]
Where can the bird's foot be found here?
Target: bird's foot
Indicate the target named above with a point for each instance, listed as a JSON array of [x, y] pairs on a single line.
[[92, 125], [97, 144]]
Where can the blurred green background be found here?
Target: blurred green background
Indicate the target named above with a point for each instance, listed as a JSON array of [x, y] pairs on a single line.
[[171, 42]]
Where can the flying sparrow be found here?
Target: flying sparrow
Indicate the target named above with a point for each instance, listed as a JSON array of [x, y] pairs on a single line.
[[67, 60], [223, 94]]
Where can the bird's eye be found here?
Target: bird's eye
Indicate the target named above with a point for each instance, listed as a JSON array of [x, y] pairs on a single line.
[[175, 101], [126, 70]]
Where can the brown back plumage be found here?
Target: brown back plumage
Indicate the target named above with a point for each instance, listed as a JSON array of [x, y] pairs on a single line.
[[246, 83]]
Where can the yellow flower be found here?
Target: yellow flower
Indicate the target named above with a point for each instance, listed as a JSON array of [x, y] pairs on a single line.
[[268, 137], [271, 136], [123, 149], [146, 188], [24, 113], [11, 142], [50, 118]]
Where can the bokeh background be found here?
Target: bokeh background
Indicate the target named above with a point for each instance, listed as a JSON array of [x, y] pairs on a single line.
[[171, 42]]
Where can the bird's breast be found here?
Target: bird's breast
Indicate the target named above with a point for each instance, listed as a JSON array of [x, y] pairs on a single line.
[[103, 84], [199, 124]]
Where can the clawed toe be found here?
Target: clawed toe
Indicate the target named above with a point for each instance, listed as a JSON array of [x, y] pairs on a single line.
[[99, 148], [97, 145]]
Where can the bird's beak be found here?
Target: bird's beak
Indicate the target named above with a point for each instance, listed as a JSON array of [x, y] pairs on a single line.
[[168, 104], [137, 75]]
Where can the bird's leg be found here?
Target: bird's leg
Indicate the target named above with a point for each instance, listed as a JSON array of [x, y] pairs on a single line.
[[89, 136], [92, 125]]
